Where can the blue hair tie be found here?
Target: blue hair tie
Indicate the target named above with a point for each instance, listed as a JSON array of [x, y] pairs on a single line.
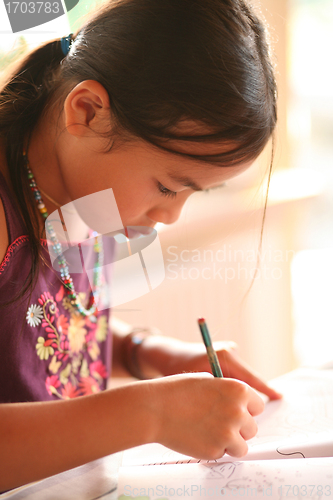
[[66, 43]]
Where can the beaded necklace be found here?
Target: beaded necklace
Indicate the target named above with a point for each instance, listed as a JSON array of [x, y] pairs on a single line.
[[57, 248]]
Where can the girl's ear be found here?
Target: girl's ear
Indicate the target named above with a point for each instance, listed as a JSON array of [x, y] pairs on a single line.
[[87, 109]]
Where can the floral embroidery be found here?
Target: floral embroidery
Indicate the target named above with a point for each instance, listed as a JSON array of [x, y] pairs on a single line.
[[98, 370], [34, 315], [54, 365], [93, 350], [84, 372], [70, 391], [76, 333], [71, 345], [44, 349], [102, 329], [51, 384], [62, 324], [89, 385]]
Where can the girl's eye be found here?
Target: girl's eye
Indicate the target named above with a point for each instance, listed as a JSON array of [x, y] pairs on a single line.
[[165, 191]]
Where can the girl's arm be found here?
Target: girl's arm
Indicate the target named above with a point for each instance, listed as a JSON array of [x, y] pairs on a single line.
[[160, 356], [171, 356], [120, 329], [194, 414]]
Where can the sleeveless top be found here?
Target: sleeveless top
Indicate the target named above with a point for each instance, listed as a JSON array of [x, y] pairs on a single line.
[[47, 350]]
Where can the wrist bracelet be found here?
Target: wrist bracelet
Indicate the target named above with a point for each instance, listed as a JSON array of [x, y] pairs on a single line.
[[131, 344]]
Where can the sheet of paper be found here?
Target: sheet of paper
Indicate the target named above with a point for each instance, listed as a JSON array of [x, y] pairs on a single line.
[[272, 479], [155, 454], [302, 422], [305, 410]]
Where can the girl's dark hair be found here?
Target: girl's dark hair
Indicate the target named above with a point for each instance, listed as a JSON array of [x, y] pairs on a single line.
[[162, 62]]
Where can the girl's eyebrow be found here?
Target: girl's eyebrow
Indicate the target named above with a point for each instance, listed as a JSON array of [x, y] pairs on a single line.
[[187, 182]]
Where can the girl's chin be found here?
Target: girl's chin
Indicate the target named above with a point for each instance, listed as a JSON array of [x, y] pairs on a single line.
[[137, 231]]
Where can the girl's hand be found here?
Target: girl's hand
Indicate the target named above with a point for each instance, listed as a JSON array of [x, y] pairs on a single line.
[[170, 356], [204, 417]]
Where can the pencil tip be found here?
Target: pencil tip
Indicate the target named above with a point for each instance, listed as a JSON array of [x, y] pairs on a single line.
[[201, 321]]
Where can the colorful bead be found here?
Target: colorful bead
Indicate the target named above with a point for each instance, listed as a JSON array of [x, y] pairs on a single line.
[[57, 248]]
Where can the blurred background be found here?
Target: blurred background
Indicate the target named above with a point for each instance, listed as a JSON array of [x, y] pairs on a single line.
[[276, 300]]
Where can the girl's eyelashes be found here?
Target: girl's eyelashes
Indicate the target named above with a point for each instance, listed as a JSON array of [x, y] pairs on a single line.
[[165, 191]]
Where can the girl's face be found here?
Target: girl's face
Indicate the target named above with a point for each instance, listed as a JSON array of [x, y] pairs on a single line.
[[149, 185]]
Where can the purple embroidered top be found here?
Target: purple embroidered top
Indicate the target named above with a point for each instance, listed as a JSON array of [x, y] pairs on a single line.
[[47, 350]]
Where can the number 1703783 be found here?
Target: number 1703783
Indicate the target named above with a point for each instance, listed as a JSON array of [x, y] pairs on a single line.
[[306, 490], [33, 7]]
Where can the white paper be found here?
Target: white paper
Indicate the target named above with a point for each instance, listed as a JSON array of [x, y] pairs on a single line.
[[271, 479]]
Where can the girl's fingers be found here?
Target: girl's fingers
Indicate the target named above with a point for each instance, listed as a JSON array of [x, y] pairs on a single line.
[[255, 404], [237, 447], [236, 369], [249, 429], [259, 385]]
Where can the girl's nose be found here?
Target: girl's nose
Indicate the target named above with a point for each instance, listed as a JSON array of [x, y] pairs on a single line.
[[167, 213]]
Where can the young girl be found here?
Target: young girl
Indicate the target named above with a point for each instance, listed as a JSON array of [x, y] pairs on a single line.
[[154, 99]]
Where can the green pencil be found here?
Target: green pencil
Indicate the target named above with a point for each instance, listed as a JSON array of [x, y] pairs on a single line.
[[212, 356]]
